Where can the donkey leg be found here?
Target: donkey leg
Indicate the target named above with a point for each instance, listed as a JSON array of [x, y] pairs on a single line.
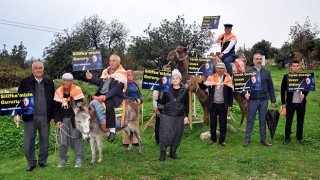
[[242, 104], [137, 133], [93, 150], [127, 130], [99, 139], [203, 98]]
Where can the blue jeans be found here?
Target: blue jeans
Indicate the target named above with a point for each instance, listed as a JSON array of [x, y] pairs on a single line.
[[227, 60], [253, 107]]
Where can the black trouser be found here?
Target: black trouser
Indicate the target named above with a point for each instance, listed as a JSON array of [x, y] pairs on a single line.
[[110, 118], [221, 111], [157, 126], [291, 108]]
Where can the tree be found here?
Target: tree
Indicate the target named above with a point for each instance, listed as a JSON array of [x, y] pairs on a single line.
[[303, 39], [18, 55], [284, 54], [152, 49], [264, 47], [91, 33], [4, 53]]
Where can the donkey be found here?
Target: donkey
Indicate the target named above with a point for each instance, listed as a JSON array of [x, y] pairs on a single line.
[[181, 56], [87, 123]]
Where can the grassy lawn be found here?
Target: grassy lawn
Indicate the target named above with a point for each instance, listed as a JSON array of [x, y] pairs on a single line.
[[298, 160]]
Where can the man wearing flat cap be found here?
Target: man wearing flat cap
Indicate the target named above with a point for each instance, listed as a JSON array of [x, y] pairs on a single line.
[[220, 101], [64, 118], [228, 42]]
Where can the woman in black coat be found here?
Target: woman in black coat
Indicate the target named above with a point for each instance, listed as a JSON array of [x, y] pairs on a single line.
[[174, 116]]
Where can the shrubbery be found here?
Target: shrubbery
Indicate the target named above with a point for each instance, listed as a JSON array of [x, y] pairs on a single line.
[[11, 75]]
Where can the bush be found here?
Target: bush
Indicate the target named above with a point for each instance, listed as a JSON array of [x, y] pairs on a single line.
[[10, 75]]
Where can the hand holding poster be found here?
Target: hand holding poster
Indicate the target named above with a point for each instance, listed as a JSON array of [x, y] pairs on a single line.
[[16, 103], [156, 80], [249, 81], [301, 82], [86, 60], [200, 66], [210, 22]]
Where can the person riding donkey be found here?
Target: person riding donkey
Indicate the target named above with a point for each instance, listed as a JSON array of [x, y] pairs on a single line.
[[112, 85]]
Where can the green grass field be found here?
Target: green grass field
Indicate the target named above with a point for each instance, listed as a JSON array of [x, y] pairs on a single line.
[[298, 160]]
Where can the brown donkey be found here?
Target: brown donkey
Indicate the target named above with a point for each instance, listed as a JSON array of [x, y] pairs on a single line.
[[180, 55]]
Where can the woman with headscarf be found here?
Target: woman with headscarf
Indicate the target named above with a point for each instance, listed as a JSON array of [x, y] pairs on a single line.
[[174, 116], [133, 93]]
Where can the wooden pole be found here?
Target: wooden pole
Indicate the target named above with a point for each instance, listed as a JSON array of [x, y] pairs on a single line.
[[190, 109], [149, 122]]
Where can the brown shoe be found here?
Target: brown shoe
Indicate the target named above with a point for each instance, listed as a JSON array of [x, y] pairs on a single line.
[[223, 144], [246, 143], [211, 142], [265, 143]]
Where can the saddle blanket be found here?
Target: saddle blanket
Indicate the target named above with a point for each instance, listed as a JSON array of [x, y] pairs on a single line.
[[120, 112]]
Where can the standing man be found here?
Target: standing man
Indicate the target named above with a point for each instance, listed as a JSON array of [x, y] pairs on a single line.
[[157, 108], [112, 85], [64, 115], [43, 89], [295, 101], [228, 42], [258, 101], [220, 102]]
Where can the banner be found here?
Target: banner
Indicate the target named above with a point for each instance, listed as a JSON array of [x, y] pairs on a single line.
[[16, 103], [210, 22], [201, 66], [86, 60], [301, 82], [249, 81], [156, 80]]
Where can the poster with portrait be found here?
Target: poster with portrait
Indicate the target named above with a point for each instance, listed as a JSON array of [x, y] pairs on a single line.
[[210, 22], [201, 66], [249, 81], [16, 104], [156, 80], [86, 60], [301, 82]]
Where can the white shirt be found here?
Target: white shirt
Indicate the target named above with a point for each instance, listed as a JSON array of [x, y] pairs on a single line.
[[230, 46]]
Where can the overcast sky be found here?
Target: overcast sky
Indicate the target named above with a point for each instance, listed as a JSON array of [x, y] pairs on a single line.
[[253, 20]]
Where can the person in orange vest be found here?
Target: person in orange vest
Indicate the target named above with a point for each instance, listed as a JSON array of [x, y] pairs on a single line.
[[228, 42], [64, 118]]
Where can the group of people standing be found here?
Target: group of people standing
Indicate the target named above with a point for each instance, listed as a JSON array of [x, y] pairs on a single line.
[[171, 108]]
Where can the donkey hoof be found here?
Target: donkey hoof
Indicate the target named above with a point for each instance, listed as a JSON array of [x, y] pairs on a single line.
[[100, 161], [91, 163]]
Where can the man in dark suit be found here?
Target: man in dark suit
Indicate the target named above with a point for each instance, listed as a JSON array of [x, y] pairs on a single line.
[[295, 101], [43, 89], [220, 102]]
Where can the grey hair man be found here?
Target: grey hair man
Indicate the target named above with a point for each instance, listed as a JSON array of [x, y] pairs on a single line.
[[43, 89]]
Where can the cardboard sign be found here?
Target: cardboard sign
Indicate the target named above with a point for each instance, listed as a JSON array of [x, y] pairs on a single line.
[[156, 80], [301, 82], [201, 66], [16, 103], [210, 22], [249, 81], [86, 60]]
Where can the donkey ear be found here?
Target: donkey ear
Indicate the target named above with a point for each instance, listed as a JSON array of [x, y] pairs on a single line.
[[91, 109], [185, 49], [73, 103], [89, 99]]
